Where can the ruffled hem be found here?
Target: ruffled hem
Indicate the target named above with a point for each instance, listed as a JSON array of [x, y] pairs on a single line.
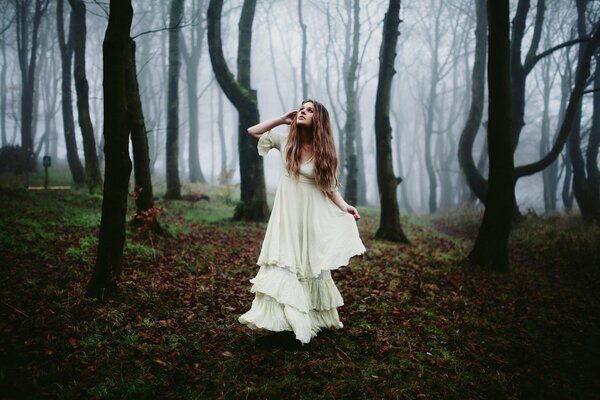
[[331, 264], [283, 302]]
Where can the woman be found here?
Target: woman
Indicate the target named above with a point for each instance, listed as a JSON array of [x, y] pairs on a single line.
[[311, 231]]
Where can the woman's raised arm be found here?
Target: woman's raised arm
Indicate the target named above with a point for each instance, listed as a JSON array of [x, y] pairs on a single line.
[[258, 129]]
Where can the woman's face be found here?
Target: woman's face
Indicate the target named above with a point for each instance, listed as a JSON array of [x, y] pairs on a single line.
[[305, 115]]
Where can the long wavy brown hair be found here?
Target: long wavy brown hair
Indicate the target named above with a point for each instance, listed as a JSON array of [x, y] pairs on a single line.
[[325, 157]]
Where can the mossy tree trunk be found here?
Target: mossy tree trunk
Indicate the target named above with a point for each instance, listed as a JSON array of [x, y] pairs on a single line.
[[253, 204], [389, 223], [116, 52]]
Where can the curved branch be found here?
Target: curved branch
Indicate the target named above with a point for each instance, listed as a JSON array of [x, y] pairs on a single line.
[[530, 63], [476, 182], [583, 71], [235, 92]]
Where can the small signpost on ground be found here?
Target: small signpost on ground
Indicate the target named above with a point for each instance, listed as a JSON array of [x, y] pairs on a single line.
[[47, 163]]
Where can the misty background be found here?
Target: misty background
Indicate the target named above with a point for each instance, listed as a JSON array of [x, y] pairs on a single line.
[[430, 95]]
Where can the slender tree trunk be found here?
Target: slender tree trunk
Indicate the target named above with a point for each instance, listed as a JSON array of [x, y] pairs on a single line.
[[491, 246], [361, 178], [3, 95], [350, 87], [548, 173], [92, 166], [567, 191], [389, 223], [476, 182], [173, 183], [591, 155], [519, 69], [253, 205], [224, 174], [144, 200], [402, 188], [584, 193], [27, 55], [66, 51], [192, 59], [284, 107], [116, 52], [196, 174], [303, 60]]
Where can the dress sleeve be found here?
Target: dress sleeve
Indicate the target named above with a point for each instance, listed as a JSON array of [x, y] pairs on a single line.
[[267, 141]]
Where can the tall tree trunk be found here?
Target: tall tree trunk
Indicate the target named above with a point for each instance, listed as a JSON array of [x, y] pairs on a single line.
[[361, 177], [3, 95], [303, 59], [196, 174], [430, 112], [253, 204], [591, 155], [173, 183], [333, 97], [402, 188], [491, 246], [92, 166], [144, 200], [350, 87], [389, 223], [224, 174], [476, 182], [192, 60], [548, 174], [116, 52], [584, 194], [27, 54], [66, 52]]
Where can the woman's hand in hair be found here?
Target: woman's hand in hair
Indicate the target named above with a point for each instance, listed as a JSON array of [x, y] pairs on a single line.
[[288, 117]]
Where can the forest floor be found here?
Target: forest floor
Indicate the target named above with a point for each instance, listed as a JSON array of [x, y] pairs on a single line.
[[418, 323]]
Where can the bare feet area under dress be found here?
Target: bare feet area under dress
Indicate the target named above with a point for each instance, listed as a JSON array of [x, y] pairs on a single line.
[[307, 236]]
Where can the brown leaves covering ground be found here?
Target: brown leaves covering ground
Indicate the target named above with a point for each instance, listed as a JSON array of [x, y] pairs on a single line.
[[418, 323]]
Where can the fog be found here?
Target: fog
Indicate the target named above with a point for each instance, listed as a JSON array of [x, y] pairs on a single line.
[[431, 91]]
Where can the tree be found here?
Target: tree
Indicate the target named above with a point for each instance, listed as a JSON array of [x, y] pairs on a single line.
[[116, 52], [66, 52], [351, 89], [389, 223], [491, 246], [173, 183], [192, 61], [144, 199], [475, 180], [303, 59], [253, 204], [92, 166], [585, 170], [27, 53]]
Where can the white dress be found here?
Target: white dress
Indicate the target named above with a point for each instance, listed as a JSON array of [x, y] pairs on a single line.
[[307, 236]]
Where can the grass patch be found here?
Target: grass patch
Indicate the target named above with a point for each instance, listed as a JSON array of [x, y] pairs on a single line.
[[416, 324]]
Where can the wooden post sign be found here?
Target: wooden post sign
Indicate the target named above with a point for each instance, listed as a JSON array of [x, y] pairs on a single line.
[[47, 162]]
